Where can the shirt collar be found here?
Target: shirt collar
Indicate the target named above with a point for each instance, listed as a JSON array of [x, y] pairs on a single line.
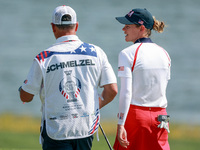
[[67, 38], [144, 40]]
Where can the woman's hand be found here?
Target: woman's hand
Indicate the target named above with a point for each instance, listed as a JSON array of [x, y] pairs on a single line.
[[122, 136]]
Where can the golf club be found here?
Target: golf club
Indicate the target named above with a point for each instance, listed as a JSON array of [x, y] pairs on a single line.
[[105, 137]]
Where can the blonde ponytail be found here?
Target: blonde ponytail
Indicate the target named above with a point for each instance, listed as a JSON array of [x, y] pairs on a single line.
[[158, 25]]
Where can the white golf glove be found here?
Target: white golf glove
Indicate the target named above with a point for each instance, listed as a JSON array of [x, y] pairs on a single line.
[[164, 120]]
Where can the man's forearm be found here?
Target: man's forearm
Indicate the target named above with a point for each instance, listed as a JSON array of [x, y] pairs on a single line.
[[108, 94]]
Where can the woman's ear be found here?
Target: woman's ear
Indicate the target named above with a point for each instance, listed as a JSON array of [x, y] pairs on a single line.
[[142, 28]]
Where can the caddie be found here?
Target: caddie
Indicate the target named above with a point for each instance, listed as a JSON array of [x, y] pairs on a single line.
[[67, 76]]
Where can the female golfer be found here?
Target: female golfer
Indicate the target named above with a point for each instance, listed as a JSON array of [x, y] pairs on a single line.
[[144, 71]]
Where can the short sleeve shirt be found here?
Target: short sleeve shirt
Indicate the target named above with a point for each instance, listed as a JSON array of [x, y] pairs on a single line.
[[67, 76]]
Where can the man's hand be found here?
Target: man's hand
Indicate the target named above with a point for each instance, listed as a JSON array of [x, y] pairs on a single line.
[[25, 96]]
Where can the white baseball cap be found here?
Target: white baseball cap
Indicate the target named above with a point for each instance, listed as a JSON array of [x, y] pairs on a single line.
[[64, 15]]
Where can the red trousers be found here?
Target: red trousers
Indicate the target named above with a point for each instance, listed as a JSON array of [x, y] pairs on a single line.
[[142, 132]]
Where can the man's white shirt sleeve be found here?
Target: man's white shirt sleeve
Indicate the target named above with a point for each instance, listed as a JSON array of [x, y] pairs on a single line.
[[34, 79]]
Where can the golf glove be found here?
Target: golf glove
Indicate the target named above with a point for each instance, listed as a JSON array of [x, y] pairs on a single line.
[[164, 120]]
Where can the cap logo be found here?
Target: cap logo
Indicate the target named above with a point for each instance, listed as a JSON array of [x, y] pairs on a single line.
[[130, 13]]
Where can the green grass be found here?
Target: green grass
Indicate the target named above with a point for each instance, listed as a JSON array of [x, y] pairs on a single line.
[[19, 141], [184, 144], [22, 133], [30, 141]]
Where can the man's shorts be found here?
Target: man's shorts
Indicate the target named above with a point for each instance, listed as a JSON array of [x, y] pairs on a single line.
[[74, 144]]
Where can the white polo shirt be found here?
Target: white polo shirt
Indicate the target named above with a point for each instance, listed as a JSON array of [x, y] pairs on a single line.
[[67, 76], [149, 76]]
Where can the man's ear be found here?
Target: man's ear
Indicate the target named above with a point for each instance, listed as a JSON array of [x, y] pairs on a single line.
[[53, 27], [76, 28]]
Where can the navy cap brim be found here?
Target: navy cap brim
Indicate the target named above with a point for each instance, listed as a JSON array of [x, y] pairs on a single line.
[[123, 20]]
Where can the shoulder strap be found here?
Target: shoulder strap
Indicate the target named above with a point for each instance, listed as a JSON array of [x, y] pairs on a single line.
[[136, 52]]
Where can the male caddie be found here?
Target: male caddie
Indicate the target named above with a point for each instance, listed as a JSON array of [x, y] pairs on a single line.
[[67, 76]]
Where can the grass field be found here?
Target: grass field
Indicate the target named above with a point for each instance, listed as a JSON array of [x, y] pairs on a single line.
[[22, 133]]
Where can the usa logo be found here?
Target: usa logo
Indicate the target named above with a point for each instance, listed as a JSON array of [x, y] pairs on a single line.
[[141, 22]]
